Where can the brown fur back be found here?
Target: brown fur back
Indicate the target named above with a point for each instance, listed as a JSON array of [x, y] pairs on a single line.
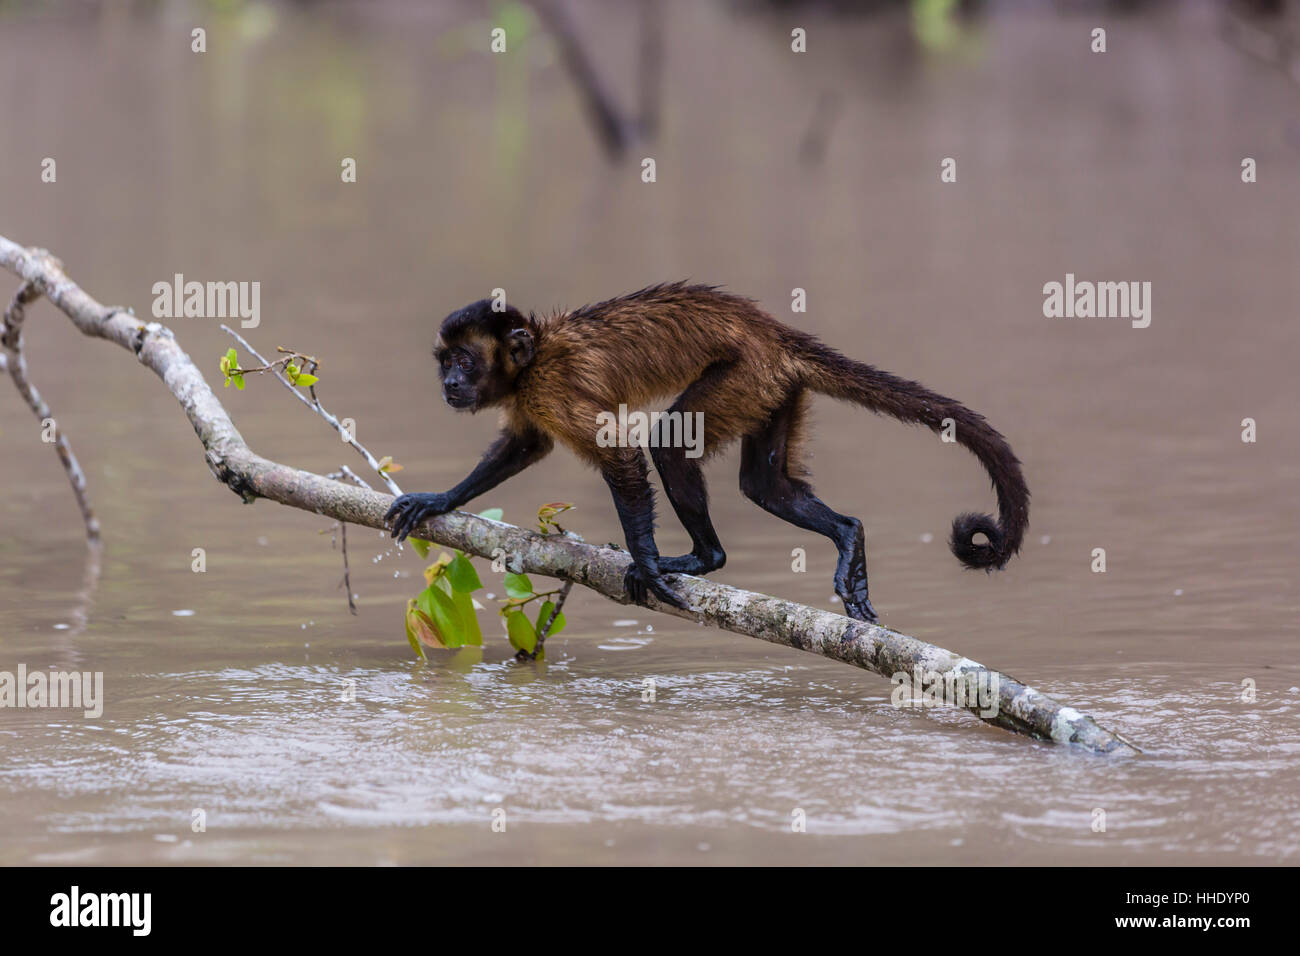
[[650, 346]]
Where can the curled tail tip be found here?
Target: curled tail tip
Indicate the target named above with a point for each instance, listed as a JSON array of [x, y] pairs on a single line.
[[985, 557]]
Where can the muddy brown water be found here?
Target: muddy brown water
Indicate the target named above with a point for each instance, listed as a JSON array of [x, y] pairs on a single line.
[[224, 690]]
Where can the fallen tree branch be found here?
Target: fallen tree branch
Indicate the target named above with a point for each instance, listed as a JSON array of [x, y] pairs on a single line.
[[1019, 707]]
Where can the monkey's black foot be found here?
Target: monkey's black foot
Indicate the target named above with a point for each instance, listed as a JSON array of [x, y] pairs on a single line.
[[861, 611], [637, 585], [409, 511], [851, 582], [693, 563]]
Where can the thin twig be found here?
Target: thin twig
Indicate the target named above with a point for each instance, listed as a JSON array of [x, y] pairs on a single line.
[[346, 472], [550, 621], [319, 409], [11, 339], [555, 612], [310, 366], [347, 574], [344, 469]]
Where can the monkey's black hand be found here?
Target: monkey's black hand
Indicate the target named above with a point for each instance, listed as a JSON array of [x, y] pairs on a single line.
[[638, 583], [409, 510]]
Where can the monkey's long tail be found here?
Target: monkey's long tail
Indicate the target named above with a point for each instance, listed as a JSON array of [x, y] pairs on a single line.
[[841, 377]]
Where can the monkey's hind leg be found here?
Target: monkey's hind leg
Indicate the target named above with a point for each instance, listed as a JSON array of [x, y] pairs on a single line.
[[683, 479], [684, 485], [626, 474], [765, 465]]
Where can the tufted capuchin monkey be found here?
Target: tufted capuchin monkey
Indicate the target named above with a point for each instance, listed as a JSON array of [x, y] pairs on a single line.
[[720, 355]]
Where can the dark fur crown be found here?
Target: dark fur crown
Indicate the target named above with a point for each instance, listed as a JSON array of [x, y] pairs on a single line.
[[479, 316]]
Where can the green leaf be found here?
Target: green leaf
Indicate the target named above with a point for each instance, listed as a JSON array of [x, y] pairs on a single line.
[[436, 603], [420, 545], [424, 600], [520, 631], [462, 574], [465, 605], [544, 615], [232, 357], [305, 380], [447, 617], [239, 381], [518, 586], [492, 514]]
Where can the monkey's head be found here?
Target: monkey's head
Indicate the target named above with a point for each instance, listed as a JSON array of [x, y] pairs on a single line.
[[480, 352]]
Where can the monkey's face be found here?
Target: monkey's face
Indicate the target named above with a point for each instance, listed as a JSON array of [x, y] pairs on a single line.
[[480, 354], [463, 374]]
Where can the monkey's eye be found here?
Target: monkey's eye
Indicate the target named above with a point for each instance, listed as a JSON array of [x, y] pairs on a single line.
[[465, 364], [446, 362]]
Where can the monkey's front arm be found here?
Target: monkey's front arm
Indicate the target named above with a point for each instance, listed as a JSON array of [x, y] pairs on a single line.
[[510, 454]]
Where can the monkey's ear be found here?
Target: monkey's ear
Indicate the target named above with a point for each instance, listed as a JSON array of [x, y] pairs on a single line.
[[519, 346]]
